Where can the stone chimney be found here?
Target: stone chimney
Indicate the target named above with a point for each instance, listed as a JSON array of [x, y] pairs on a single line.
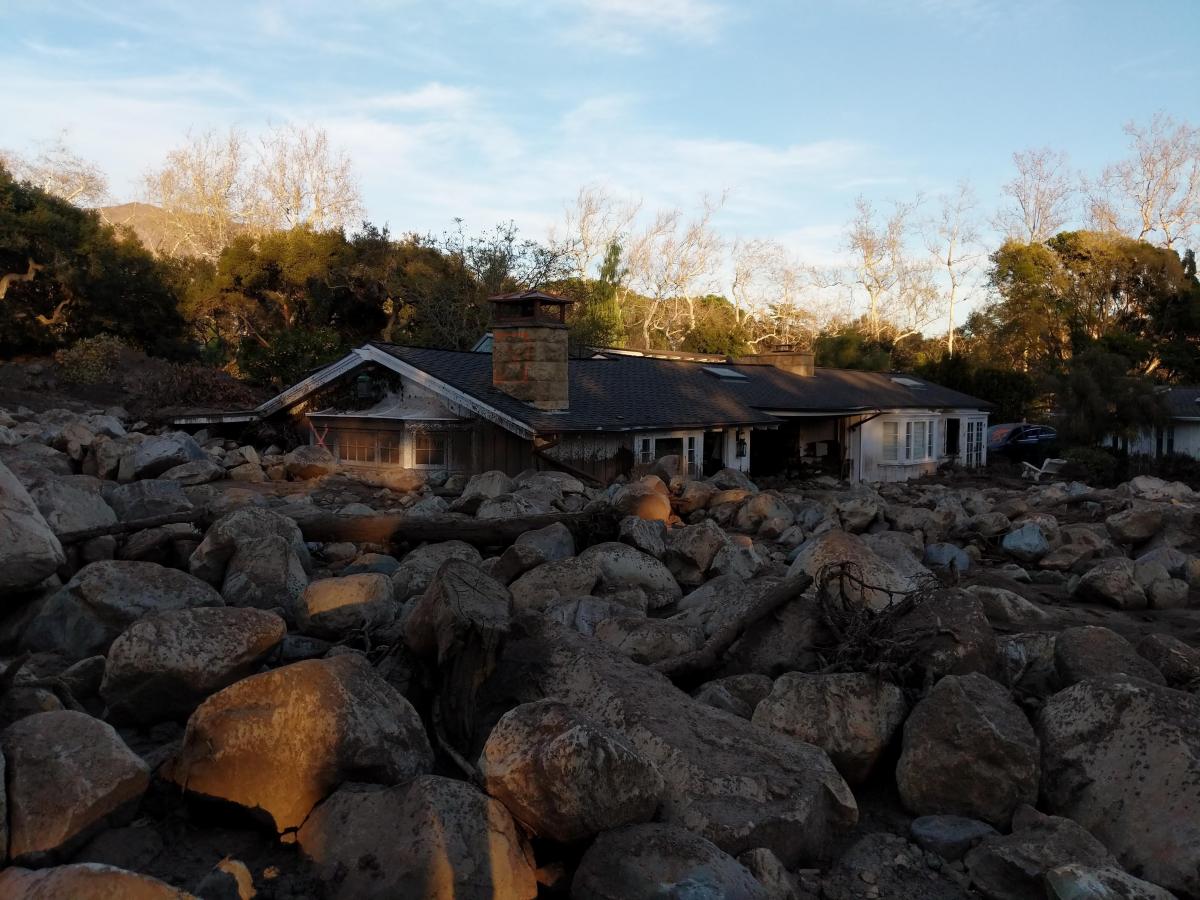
[[529, 347], [785, 356]]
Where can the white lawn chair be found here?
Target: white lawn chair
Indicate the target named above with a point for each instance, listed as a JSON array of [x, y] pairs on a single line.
[[1050, 466]]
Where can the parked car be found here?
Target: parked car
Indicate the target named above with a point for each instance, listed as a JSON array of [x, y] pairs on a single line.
[[1021, 440]]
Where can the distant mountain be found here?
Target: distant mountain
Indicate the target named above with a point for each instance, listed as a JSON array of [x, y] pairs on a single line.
[[148, 222]]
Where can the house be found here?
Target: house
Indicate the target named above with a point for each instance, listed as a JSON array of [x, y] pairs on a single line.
[[1181, 431], [519, 401]]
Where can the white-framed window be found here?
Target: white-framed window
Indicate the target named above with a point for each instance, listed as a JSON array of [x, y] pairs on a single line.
[[429, 450], [891, 441], [389, 448], [691, 454], [646, 451], [356, 446], [973, 457]]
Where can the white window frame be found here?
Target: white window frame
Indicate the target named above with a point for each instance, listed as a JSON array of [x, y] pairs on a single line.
[[434, 437], [913, 445]]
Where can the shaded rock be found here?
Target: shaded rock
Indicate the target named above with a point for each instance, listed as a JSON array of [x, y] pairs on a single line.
[[545, 585], [652, 861], [200, 471], [888, 867], [145, 499], [229, 879], [1080, 882], [165, 664], [740, 786], [250, 472], [647, 535], [103, 599], [850, 716], [787, 640], [623, 569], [951, 634], [968, 750], [857, 513], [583, 614], [733, 479], [767, 506], [1136, 525], [429, 838], [455, 583], [85, 881], [307, 463], [565, 776], [950, 837], [1088, 651], [72, 504], [67, 775], [156, 455], [1011, 866], [714, 603], [769, 871], [236, 529], [30, 552], [481, 487], [1027, 663], [837, 546], [265, 573], [1027, 543], [648, 640], [373, 563], [1112, 583], [1178, 663], [281, 741], [417, 568], [739, 560], [337, 607], [694, 496], [1121, 757], [690, 550], [738, 694], [531, 549], [946, 556], [1005, 607]]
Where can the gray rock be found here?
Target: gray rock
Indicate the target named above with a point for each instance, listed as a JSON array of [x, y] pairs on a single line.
[[647, 535], [1074, 881], [968, 750], [652, 861], [547, 584], [851, 716], [691, 549], [648, 641], [200, 471], [481, 487], [1027, 543], [417, 568], [531, 549], [237, 529], [67, 776], [308, 463], [1178, 663], [1112, 583], [72, 504], [336, 608], [30, 552], [1135, 525], [837, 546], [738, 694], [888, 867], [624, 569], [85, 616], [165, 664], [565, 776], [583, 614], [950, 837], [145, 499], [1089, 651], [947, 556], [430, 837], [265, 573], [156, 455]]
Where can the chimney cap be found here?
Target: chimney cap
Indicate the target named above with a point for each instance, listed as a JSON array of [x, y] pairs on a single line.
[[524, 307]]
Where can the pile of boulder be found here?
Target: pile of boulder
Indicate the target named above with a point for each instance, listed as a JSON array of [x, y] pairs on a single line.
[[935, 690]]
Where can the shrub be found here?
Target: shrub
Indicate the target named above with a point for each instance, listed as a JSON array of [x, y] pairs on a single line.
[[91, 360], [167, 385], [1169, 466], [1091, 465]]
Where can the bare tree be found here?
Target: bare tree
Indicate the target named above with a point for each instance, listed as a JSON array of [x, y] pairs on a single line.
[[201, 189], [216, 186], [880, 266], [1040, 196], [298, 179], [58, 170], [591, 225], [953, 241], [1155, 192]]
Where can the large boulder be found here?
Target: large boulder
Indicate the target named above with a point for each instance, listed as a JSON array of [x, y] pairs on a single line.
[[1090, 651], [418, 566], [165, 664], [279, 742], [768, 506], [1026, 543], [1135, 525], [531, 549], [738, 785], [879, 576], [649, 641], [968, 750], [237, 529], [72, 504], [338, 607], [626, 570], [887, 867], [1178, 663], [1074, 881], [545, 585], [583, 614], [1121, 757], [104, 598], [564, 776], [480, 488], [148, 499], [690, 550], [456, 583], [949, 634], [67, 775], [1113, 583], [431, 838], [308, 463], [85, 881], [156, 455], [850, 716], [265, 573], [29, 552], [1012, 866], [201, 471], [654, 861]]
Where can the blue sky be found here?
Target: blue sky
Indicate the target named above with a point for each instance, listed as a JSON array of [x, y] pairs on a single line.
[[500, 109]]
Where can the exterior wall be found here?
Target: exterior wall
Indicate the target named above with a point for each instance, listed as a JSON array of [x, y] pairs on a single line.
[[529, 362], [867, 445], [602, 456], [1179, 436], [649, 446]]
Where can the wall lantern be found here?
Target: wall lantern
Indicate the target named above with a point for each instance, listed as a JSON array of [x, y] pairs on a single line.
[[364, 388]]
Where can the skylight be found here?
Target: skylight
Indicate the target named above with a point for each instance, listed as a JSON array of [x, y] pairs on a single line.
[[907, 382], [726, 374]]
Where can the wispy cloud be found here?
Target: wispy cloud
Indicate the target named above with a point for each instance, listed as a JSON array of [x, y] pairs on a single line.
[[629, 26]]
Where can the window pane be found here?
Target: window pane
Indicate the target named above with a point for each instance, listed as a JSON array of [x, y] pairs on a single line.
[[356, 446], [429, 449], [908, 440], [389, 448], [891, 436]]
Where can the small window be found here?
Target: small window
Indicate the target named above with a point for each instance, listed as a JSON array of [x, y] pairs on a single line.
[[907, 382], [356, 446], [724, 374], [929, 445], [389, 448], [891, 441], [920, 435], [429, 450]]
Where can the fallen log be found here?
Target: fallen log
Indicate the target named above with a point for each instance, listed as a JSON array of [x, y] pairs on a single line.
[[691, 665], [387, 528], [198, 514]]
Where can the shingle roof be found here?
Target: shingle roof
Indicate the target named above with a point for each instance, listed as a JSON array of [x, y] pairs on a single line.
[[1183, 402], [639, 393]]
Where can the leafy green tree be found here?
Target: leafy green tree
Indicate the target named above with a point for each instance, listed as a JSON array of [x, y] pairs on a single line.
[[65, 275], [1098, 399]]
